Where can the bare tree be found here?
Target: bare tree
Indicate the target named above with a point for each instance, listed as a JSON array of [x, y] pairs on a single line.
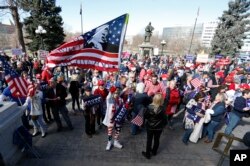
[[12, 5], [69, 35]]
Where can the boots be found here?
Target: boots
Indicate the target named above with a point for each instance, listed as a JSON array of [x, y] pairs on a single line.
[[109, 144], [117, 144]]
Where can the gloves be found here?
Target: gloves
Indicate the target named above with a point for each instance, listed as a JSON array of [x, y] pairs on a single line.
[[127, 106]]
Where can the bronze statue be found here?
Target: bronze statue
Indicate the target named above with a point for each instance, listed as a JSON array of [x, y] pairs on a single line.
[[148, 32]]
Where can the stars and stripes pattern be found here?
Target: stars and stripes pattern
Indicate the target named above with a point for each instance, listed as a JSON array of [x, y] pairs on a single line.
[[138, 120], [196, 83], [18, 85], [98, 49]]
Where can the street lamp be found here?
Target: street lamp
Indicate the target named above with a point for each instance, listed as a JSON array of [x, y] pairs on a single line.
[[40, 31], [163, 43]]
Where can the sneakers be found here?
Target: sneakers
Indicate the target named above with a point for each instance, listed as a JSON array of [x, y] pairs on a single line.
[[44, 135], [109, 144], [117, 144], [35, 133]]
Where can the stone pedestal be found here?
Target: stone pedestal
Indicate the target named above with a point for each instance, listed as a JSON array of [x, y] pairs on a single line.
[[146, 49], [10, 120]]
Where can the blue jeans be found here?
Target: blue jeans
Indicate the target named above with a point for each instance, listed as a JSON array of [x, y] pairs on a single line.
[[233, 122], [134, 129], [186, 135], [210, 129], [39, 124]]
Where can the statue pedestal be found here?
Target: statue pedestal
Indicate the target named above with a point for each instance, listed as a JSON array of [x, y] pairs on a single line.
[[146, 49], [10, 120]]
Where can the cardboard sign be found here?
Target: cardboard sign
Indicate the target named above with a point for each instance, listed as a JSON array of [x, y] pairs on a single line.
[[202, 58], [156, 51], [189, 57], [42, 54], [16, 51], [218, 56]]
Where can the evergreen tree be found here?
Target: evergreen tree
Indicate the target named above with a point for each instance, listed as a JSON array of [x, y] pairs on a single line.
[[46, 14], [231, 28]]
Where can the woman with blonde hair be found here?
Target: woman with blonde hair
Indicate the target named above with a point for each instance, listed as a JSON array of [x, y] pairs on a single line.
[[155, 122]]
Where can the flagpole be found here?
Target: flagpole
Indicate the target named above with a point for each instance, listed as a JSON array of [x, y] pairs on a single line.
[[81, 18], [123, 38], [193, 31]]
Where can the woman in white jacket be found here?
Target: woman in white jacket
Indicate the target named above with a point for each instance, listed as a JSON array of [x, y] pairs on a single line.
[[34, 101]]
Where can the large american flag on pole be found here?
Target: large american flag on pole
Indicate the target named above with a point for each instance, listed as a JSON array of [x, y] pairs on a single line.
[[18, 85], [98, 49]]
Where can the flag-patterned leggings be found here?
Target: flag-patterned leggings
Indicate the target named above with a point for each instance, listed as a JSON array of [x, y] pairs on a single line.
[[117, 128]]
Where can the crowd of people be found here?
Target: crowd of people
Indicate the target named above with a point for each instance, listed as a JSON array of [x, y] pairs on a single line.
[[148, 93]]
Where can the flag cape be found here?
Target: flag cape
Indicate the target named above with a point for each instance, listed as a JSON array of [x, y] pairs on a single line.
[[98, 49]]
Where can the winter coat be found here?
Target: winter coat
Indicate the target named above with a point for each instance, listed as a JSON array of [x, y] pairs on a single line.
[[140, 100], [155, 119], [61, 92], [152, 89], [74, 88], [173, 101], [46, 75], [219, 111], [239, 104], [35, 103]]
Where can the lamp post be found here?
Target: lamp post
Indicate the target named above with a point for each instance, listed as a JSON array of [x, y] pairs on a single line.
[[163, 43], [40, 31]]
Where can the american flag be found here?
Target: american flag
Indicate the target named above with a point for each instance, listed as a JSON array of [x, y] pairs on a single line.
[[196, 83], [138, 120], [98, 49], [18, 85]]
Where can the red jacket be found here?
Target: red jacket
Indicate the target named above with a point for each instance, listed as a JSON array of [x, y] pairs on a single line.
[[102, 93], [174, 99], [46, 75]]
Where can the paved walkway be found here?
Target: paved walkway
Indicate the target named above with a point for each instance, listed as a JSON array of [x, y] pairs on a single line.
[[75, 148]]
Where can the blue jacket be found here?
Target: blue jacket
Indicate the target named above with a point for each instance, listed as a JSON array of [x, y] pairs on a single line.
[[219, 111], [239, 104]]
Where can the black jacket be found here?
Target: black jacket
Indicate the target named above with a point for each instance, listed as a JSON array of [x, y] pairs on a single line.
[[156, 120], [140, 100], [74, 88], [61, 92]]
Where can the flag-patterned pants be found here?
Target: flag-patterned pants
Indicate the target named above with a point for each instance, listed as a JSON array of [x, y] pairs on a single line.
[[117, 129]]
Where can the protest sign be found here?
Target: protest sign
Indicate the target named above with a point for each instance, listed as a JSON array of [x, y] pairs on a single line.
[[16, 51], [42, 54], [202, 58]]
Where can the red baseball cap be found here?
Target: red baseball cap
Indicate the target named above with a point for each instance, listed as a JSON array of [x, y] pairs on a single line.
[[100, 83], [112, 89], [164, 76], [244, 86]]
